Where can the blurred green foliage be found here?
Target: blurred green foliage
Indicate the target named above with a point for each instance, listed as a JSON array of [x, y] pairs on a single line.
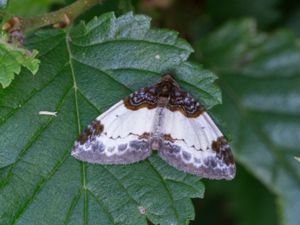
[[28, 8], [265, 12], [259, 75], [253, 47]]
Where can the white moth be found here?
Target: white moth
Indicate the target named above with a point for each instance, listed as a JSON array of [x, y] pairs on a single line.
[[161, 117]]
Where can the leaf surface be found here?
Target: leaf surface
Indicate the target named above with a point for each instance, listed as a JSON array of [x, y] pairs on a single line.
[[83, 72]]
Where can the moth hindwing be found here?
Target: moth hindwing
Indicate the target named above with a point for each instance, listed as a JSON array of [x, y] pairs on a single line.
[[161, 117]]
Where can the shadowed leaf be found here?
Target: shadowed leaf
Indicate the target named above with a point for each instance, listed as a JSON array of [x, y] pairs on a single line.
[[259, 75]]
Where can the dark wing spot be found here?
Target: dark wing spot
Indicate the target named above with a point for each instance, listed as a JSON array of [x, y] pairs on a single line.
[[210, 162], [215, 146], [186, 155], [98, 127], [98, 147], [85, 135], [223, 151], [139, 145], [175, 149], [228, 157], [122, 147], [95, 129]]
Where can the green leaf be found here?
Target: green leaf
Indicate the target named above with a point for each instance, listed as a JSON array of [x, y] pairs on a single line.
[[265, 12], [293, 21], [29, 8], [259, 75], [83, 72], [11, 60]]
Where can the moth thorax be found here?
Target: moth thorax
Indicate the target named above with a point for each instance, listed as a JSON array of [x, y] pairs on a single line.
[[163, 101], [165, 89]]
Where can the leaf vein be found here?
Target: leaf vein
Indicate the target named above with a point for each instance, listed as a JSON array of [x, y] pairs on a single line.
[[10, 114], [34, 138], [83, 165], [131, 40], [74, 202], [39, 187], [165, 185], [102, 205]]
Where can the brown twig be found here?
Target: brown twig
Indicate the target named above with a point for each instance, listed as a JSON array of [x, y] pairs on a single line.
[[59, 19]]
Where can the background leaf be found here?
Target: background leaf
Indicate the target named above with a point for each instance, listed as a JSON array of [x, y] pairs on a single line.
[[259, 75], [37, 7], [12, 58], [83, 72], [244, 200], [265, 12]]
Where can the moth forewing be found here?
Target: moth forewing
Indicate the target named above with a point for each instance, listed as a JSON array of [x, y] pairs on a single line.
[[118, 139], [189, 147]]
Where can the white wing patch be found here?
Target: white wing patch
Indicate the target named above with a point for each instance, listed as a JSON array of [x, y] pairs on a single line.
[[197, 146], [118, 136]]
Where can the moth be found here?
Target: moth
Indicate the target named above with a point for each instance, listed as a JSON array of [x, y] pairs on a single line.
[[162, 118]]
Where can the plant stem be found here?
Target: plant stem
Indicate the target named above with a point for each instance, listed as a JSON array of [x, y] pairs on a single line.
[[59, 18]]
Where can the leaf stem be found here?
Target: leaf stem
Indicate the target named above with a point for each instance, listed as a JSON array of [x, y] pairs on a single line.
[[58, 19]]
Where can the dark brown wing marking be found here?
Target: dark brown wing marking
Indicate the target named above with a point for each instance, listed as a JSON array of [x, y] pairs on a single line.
[[94, 129], [185, 103], [166, 93], [223, 151], [145, 97]]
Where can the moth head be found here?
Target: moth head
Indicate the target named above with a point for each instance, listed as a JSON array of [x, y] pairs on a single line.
[[167, 78]]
